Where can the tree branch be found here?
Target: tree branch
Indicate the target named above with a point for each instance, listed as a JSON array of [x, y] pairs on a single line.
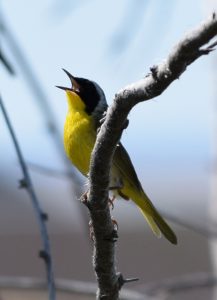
[[180, 284], [161, 76], [6, 63], [41, 216], [198, 229]]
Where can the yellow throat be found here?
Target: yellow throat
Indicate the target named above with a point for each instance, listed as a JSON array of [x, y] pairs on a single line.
[[79, 133]]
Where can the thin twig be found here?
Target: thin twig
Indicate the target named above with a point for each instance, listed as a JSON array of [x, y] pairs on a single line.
[[180, 284], [48, 171], [161, 76], [6, 63], [41, 216], [132, 20], [3, 58], [205, 232]]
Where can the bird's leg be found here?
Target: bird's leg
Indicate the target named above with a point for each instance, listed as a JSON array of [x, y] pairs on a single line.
[[111, 201], [117, 187], [111, 204]]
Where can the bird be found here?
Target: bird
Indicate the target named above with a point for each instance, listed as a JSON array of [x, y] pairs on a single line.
[[86, 108]]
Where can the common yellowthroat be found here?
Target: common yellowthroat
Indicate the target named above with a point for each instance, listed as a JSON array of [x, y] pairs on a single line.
[[86, 105]]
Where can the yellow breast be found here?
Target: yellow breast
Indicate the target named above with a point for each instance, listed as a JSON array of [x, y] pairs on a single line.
[[79, 139]]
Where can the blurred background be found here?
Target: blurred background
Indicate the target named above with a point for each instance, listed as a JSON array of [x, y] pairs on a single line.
[[171, 140]]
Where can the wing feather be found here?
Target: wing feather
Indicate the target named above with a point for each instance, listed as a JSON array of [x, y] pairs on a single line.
[[124, 165]]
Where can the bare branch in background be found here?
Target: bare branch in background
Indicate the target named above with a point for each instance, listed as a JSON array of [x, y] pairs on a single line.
[[45, 108], [161, 76], [131, 23], [4, 60], [73, 287], [137, 13], [63, 8], [205, 232], [180, 284], [48, 171], [41, 216]]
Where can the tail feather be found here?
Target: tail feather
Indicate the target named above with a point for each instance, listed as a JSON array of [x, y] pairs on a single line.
[[152, 224], [165, 228], [154, 219]]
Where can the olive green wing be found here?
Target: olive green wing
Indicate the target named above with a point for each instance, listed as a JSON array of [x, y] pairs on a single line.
[[121, 159], [125, 167], [122, 162]]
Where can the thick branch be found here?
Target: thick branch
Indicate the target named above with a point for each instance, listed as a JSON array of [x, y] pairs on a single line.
[[161, 76]]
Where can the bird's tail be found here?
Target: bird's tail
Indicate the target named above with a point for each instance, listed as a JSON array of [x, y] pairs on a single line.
[[154, 219]]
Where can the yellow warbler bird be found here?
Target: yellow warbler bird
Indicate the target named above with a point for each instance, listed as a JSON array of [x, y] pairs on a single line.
[[86, 105]]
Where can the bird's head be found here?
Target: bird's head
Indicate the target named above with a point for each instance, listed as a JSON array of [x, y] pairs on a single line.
[[84, 94]]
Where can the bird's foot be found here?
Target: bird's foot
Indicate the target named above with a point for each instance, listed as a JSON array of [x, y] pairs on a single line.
[[111, 201]]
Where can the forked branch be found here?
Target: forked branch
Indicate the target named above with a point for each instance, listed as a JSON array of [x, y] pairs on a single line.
[[190, 48]]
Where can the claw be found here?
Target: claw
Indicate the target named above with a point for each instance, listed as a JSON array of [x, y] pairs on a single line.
[[115, 223], [84, 198], [111, 201]]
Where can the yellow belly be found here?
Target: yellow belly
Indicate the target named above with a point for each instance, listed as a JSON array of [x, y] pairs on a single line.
[[79, 139]]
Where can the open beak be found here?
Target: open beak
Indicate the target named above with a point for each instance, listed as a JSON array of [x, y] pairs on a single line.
[[75, 86]]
